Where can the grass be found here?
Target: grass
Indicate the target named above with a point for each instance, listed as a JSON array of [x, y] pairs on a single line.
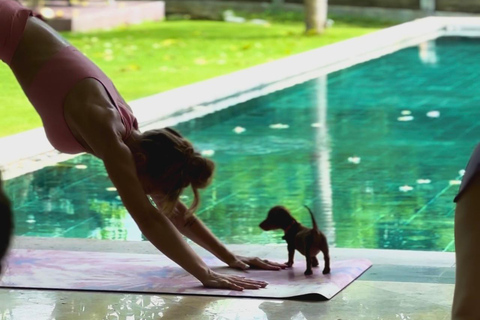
[[157, 56]]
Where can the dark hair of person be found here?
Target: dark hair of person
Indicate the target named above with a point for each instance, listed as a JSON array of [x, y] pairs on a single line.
[[172, 164]]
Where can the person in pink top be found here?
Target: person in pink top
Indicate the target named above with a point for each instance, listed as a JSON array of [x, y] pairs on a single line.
[[82, 111]]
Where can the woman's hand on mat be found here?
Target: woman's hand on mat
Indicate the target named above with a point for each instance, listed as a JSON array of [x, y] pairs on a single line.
[[243, 263], [231, 282]]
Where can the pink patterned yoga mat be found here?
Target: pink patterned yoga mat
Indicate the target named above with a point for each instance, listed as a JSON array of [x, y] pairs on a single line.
[[150, 273]]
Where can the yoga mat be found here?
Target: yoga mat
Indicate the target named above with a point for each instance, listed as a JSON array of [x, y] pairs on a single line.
[[155, 273]]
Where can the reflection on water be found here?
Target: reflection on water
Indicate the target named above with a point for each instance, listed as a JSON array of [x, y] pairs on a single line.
[[70, 199], [341, 149]]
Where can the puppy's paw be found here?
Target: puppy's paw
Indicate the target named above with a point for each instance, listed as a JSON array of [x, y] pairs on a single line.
[[308, 272], [289, 264], [326, 271]]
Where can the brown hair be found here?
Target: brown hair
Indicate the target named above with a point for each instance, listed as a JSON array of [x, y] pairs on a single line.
[[172, 164], [6, 223]]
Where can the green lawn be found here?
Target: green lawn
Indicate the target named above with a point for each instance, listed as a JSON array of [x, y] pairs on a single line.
[[153, 57]]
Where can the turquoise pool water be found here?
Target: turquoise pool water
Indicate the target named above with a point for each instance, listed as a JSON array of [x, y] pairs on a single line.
[[375, 150]]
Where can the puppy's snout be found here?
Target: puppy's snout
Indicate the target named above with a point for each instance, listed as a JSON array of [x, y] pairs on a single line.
[[264, 225]]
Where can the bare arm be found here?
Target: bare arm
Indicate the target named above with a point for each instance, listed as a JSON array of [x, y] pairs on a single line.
[[101, 128], [154, 225], [158, 229], [195, 230]]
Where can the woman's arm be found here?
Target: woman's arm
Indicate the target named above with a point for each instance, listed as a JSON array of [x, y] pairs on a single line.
[[195, 229], [158, 229], [107, 144]]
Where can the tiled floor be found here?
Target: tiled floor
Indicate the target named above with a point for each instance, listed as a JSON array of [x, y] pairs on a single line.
[[400, 285]]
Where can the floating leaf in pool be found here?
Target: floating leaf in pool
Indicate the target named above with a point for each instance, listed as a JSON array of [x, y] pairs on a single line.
[[424, 181], [316, 125], [405, 188], [239, 130], [406, 112], [208, 153], [354, 160], [461, 172], [405, 118], [258, 145], [433, 114], [454, 182], [31, 219], [81, 166], [111, 189], [279, 126]]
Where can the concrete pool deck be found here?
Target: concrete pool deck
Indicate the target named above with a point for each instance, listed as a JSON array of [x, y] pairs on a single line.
[[400, 285]]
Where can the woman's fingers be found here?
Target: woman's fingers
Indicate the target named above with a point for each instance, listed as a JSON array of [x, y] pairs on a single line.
[[265, 264], [249, 282], [239, 265], [233, 286], [273, 265], [234, 283]]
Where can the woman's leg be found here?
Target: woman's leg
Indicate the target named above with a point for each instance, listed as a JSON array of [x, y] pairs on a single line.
[[6, 223], [466, 301]]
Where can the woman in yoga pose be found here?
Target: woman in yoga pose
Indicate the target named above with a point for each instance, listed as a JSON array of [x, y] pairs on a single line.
[[82, 111]]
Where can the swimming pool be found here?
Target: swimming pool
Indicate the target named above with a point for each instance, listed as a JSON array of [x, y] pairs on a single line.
[[375, 150]]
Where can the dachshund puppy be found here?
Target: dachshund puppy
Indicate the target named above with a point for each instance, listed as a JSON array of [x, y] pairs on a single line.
[[308, 242]]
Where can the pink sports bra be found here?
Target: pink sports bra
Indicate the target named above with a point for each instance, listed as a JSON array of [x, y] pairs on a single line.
[[50, 87], [55, 79]]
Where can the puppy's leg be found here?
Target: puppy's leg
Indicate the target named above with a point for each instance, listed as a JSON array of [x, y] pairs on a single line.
[[315, 261], [326, 258], [308, 257], [291, 254]]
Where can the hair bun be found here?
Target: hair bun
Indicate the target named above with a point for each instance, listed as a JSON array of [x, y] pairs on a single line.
[[199, 170]]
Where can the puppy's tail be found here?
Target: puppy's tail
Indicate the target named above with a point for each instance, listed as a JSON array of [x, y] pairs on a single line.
[[313, 218]]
